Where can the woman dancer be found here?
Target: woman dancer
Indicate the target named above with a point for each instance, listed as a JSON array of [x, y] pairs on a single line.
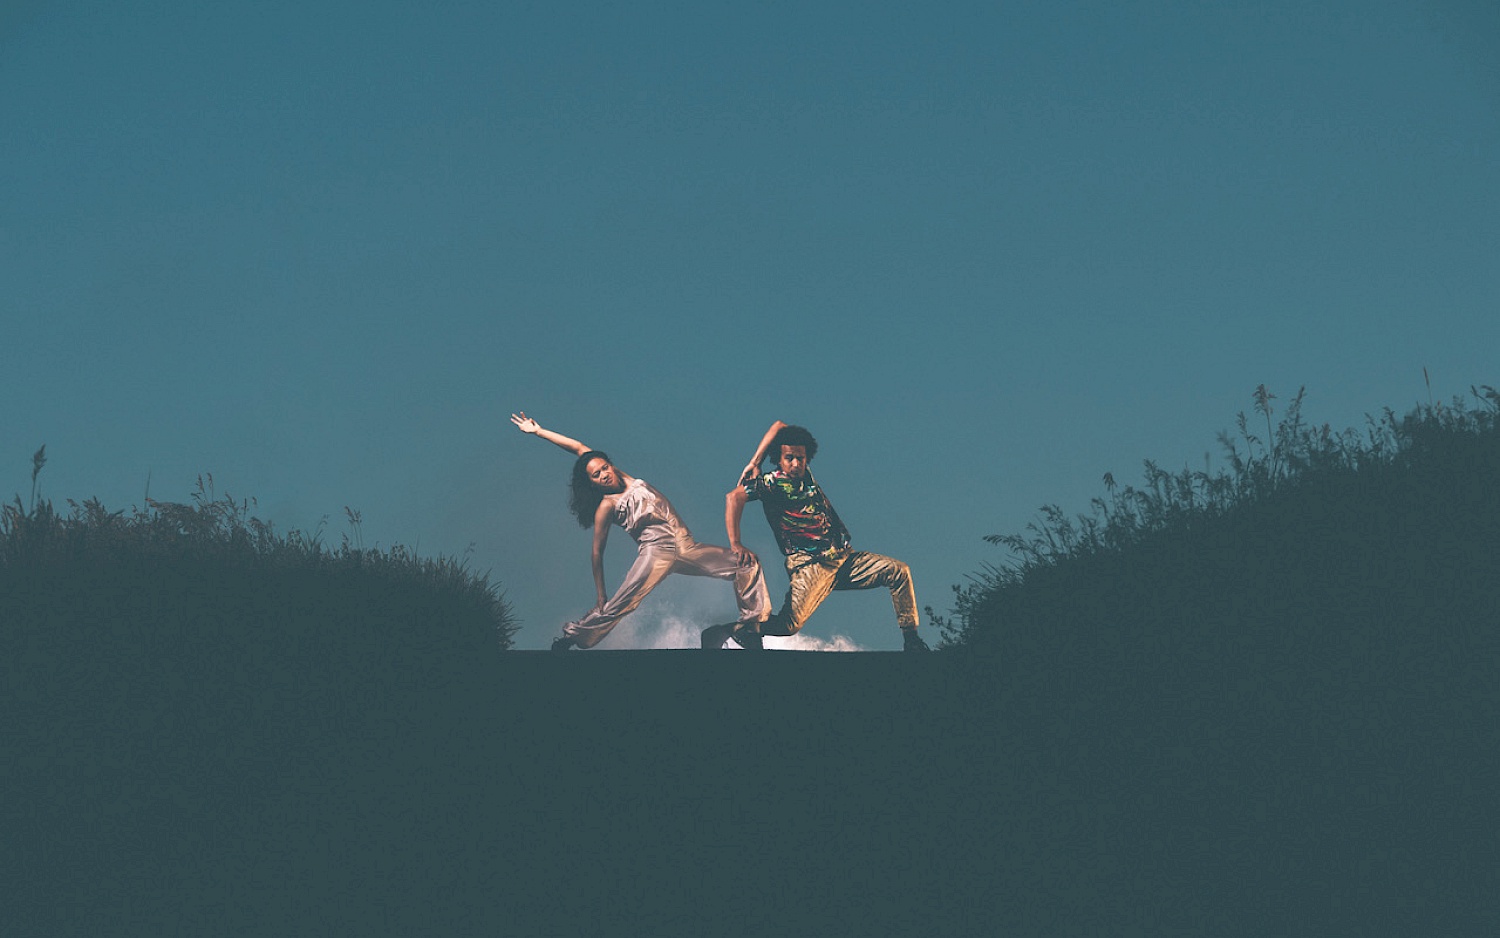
[[601, 495]]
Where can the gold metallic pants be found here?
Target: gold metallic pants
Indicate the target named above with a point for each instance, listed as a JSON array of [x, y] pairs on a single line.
[[813, 577]]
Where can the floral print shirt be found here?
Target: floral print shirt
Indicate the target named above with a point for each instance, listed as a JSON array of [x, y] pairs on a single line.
[[799, 513]]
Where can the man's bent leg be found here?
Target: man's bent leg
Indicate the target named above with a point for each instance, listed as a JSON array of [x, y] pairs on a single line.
[[811, 579], [864, 570]]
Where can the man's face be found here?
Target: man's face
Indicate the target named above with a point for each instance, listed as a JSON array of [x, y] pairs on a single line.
[[793, 461], [603, 475]]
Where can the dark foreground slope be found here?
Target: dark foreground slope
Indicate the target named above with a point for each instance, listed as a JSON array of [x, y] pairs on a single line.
[[738, 794], [602, 793]]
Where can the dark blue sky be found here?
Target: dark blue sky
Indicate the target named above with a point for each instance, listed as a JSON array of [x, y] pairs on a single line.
[[987, 252]]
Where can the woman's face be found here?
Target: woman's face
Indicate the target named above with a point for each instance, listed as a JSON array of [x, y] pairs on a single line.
[[604, 476]]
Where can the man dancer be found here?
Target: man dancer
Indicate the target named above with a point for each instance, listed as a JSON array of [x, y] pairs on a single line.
[[819, 558]]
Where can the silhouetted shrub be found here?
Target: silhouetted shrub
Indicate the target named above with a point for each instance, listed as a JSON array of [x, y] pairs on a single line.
[[1312, 546], [205, 586]]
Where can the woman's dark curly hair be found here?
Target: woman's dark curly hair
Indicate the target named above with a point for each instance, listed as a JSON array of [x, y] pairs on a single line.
[[583, 495], [792, 436]]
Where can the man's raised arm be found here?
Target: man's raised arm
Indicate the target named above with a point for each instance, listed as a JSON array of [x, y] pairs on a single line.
[[753, 466]]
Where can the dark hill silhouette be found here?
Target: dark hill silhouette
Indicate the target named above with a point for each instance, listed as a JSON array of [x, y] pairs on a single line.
[[1281, 680], [1312, 541], [682, 793], [1273, 716]]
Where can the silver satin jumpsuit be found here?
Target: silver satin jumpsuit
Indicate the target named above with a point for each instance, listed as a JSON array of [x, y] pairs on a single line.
[[666, 546]]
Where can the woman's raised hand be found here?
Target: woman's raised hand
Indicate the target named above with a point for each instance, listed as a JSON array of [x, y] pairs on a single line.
[[526, 424]]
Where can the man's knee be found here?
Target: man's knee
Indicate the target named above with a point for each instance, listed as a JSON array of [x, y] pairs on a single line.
[[892, 573], [867, 569]]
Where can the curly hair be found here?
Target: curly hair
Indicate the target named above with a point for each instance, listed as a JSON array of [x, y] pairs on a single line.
[[792, 436], [583, 495]]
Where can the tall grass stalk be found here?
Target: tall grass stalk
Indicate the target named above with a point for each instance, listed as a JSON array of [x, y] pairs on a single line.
[[38, 460]]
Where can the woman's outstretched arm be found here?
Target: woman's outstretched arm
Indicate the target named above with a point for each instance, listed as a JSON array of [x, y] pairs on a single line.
[[527, 425]]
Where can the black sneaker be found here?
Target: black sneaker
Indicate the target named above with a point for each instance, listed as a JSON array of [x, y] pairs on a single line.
[[749, 639], [714, 636], [562, 644], [911, 641]]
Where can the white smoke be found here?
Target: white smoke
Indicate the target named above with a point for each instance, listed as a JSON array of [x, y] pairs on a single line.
[[659, 623], [804, 642]]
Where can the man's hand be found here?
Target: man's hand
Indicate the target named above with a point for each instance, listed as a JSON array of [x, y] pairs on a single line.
[[744, 556], [751, 470]]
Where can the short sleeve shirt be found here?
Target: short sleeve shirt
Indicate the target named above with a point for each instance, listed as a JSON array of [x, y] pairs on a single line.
[[799, 513]]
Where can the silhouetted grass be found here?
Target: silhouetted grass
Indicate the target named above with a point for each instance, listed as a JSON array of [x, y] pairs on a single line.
[[177, 570], [1208, 718], [1311, 542], [1279, 678], [189, 695], [111, 621]]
